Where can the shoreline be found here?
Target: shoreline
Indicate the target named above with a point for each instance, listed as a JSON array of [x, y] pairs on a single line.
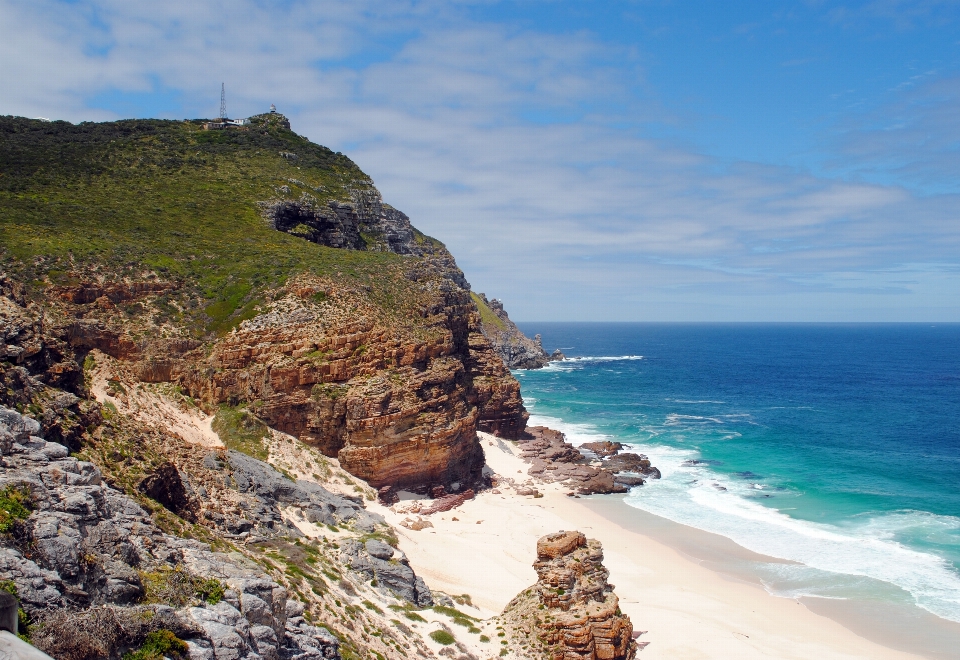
[[909, 629], [486, 548]]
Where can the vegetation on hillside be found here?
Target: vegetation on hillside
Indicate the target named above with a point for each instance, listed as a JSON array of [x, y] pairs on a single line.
[[166, 199]]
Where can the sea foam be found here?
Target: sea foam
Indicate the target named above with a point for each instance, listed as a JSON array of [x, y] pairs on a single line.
[[833, 561], [700, 497]]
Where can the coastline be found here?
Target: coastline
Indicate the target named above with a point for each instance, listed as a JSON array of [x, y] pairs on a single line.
[[911, 630], [486, 547]]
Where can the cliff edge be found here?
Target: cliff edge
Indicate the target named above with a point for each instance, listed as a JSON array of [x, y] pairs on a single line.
[[260, 274], [516, 349]]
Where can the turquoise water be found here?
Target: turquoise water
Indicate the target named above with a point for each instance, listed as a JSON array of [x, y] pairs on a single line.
[[835, 446]]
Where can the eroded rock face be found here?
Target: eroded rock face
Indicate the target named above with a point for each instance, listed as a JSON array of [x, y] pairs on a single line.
[[388, 568], [571, 613], [326, 225], [395, 409]]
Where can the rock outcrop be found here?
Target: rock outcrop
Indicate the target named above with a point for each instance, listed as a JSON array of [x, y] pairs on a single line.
[[81, 557], [516, 349], [571, 613], [598, 469], [388, 569], [555, 460], [364, 222]]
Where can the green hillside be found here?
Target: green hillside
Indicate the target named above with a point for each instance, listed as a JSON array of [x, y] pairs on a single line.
[[123, 198]]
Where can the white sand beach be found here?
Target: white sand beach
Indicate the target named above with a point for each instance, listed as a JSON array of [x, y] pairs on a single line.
[[485, 548]]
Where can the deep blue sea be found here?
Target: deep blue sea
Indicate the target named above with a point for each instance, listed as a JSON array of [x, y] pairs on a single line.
[[836, 446]]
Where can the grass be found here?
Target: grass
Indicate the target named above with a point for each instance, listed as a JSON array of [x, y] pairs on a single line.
[[167, 197], [442, 637], [241, 430], [458, 617], [487, 317]]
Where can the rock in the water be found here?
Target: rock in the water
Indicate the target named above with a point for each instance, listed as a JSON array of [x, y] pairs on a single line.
[[628, 481], [554, 459], [603, 449]]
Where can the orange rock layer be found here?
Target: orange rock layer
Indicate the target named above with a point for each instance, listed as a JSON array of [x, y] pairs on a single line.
[[571, 613], [395, 406]]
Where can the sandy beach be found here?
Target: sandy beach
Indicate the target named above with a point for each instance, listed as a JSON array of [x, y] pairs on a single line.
[[485, 548]]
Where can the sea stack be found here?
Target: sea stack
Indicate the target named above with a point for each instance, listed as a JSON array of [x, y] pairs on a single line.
[[571, 613]]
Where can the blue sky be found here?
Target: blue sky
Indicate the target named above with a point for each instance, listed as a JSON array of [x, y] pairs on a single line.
[[646, 160]]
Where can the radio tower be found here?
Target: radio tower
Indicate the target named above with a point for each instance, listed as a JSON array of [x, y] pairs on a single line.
[[223, 102]]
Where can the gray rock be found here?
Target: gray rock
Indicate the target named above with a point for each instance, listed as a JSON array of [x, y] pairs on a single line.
[[319, 505], [87, 541], [378, 549], [393, 575]]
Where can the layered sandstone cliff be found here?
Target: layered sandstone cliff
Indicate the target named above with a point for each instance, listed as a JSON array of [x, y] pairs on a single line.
[[398, 405], [571, 613]]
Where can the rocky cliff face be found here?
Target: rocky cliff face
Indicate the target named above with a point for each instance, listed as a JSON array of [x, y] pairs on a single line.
[[397, 406], [95, 576], [170, 538], [278, 280], [571, 613], [516, 349]]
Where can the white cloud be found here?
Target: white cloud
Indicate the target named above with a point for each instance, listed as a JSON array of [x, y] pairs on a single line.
[[521, 150]]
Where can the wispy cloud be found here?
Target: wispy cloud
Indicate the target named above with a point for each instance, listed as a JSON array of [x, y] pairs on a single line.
[[523, 150]]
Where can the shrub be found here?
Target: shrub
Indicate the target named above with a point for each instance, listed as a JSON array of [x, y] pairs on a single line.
[[442, 637], [413, 616], [16, 503], [178, 587], [158, 644]]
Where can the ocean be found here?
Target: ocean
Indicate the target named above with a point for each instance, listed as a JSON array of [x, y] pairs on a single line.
[[835, 447]]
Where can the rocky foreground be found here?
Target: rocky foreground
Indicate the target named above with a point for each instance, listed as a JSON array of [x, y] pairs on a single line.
[[95, 576]]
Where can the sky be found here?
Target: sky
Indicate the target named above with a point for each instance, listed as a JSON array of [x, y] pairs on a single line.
[[640, 160]]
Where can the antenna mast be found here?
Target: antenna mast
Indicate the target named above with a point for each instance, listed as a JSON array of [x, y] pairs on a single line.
[[223, 101]]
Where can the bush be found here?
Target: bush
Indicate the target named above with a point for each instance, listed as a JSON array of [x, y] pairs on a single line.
[[105, 631], [178, 587], [158, 644], [16, 503], [442, 637]]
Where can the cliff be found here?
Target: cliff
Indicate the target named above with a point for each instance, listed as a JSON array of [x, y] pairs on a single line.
[[515, 349], [254, 271]]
